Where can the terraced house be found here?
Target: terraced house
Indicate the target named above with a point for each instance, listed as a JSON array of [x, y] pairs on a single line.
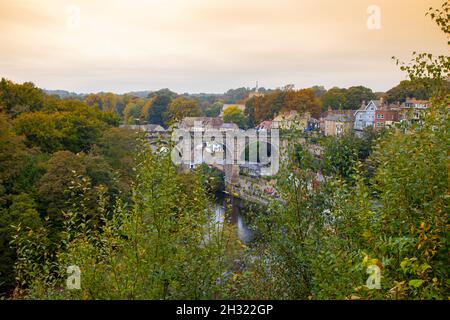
[[365, 115]]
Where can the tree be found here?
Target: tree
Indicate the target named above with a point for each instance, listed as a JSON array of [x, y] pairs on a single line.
[[258, 109], [22, 211], [12, 155], [236, 95], [145, 111], [19, 98], [235, 115], [94, 100], [162, 245], [133, 110], [118, 146], [419, 89], [101, 173], [303, 100], [355, 95], [109, 102], [74, 131], [334, 98], [346, 99], [180, 108], [62, 167], [214, 109], [319, 91], [159, 106]]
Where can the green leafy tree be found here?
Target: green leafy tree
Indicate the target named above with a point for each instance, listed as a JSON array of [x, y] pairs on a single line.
[[117, 146], [355, 95], [419, 89], [19, 98], [64, 125], [51, 187], [235, 115], [162, 99], [160, 246], [12, 154], [132, 111], [214, 109], [334, 98], [23, 211]]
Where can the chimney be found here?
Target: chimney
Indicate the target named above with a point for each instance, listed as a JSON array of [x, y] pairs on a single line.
[[363, 104]]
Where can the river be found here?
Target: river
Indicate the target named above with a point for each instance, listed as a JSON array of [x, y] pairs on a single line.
[[234, 216]]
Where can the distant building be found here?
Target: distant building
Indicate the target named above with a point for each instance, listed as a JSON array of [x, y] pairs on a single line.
[[365, 115], [415, 104], [386, 116], [265, 125], [255, 93], [291, 120], [203, 123], [229, 126], [336, 124], [412, 109], [150, 128], [313, 125], [206, 123]]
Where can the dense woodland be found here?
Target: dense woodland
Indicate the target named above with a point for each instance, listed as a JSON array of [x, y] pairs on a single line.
[[75, 189]]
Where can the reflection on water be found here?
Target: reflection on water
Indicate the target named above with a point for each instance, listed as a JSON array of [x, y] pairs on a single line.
[[243, 232]]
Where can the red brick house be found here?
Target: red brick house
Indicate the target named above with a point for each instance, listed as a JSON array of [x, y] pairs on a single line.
[[386, 115]]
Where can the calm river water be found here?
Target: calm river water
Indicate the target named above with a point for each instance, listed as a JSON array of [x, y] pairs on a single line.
[[234, 216]]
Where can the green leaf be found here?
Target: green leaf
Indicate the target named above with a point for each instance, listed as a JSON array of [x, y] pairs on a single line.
[[415, 283]]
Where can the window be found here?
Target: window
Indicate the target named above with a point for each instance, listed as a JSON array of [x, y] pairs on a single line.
[[380, 124], [380, 116]]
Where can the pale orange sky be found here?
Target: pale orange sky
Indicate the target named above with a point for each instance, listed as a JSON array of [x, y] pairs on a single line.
[[209, 45]]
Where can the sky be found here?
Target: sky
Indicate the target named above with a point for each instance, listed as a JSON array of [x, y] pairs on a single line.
[[210, 45]]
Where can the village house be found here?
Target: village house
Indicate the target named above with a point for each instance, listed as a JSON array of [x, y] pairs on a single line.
[[265, 125], [313, 125], [206, 123], [412, 108], [200, 123], [386, 116], [149, 128], [336, 122], [415, 104], [291, 120], [365, 115]]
